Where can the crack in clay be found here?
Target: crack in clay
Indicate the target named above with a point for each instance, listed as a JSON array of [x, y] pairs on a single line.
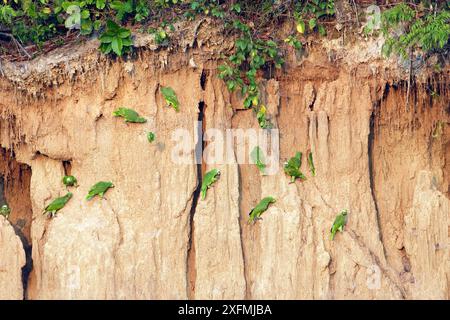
[[17, 227], [241, 235], [199, 148], [119, 244], [28, 267], [385, 269], [370, 152]]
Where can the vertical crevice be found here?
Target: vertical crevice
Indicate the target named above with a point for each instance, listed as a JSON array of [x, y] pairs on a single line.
[[27, 268], [199, 148], [241, 230], [203, 78], [15, 180], [371, 140]]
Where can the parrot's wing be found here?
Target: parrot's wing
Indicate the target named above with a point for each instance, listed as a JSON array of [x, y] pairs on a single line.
[[90, 195]]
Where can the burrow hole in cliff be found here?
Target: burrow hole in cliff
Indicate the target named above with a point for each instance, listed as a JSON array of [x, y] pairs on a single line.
[[15, 180]]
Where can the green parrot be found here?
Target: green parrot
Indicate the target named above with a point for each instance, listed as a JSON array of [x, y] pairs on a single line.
[[69, 181], [151, 137], [5, 211], [339, 223], [99, 189], [57, 204], [130, 115], [292, 167], [258, 158], [262, 206], [208, 180], [170, 97], [311, 164]]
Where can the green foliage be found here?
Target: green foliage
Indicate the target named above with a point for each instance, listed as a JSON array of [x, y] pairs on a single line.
[[207, 8], [38, 21], [263, 121], [165, 3], [294, 42], [170, 97], [392, 17], [407, 30], [122, 8], [142, 11], [7, 13], [313, 12], [250, 56], [161, 33], [116, 39]]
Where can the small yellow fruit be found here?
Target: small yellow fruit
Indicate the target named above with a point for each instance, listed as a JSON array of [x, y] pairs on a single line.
[[301, 27], [262, 110]]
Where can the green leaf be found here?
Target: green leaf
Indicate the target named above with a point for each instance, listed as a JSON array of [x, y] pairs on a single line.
[[117, 45], [236, 7], [241, 44], [312, 23], [105, 39], [127, 42], [86, 27], [85, 14], [97, 24], [105, 48], [301, 27], [322, 30], [100, 4], [124, 33], [112, 26], [231, 85]]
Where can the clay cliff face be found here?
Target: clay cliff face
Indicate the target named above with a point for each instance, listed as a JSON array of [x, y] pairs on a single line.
[[152, 238]]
